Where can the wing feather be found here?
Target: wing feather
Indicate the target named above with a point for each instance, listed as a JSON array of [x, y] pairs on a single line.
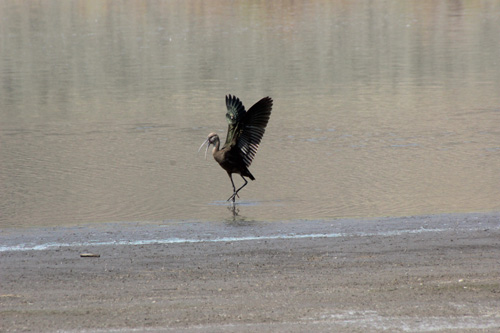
[[234, 116], [253, 127]]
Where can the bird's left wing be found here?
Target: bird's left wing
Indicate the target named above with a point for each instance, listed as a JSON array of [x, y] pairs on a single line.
[[253, 126]]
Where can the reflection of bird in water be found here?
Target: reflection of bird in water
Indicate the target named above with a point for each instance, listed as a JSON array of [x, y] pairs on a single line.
[[244, 134]]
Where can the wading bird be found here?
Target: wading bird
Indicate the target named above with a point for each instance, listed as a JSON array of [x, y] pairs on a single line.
[[244, 134]]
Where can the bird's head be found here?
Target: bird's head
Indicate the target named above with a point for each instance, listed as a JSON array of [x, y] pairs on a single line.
[[212, 139]]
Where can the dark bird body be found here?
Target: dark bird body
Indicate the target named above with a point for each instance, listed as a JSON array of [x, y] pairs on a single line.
[[244, 133]]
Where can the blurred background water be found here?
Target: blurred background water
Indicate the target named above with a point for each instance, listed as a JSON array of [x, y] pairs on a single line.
[[382, 108]]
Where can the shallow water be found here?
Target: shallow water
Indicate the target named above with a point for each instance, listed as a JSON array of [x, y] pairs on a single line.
[[95, 236], [381, 108]]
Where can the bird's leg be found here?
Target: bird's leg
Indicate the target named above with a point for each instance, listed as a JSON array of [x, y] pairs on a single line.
[[236, 192]]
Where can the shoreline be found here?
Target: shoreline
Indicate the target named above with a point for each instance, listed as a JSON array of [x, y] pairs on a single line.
[[434, 272], [171, 232]]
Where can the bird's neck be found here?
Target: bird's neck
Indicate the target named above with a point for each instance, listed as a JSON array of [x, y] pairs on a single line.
[[216, 147]]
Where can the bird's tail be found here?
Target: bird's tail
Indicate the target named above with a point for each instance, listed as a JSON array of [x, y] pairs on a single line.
[[248, 174]]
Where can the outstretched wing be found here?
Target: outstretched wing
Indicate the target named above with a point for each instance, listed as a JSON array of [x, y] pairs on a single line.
[[253, 126], [235, 114]]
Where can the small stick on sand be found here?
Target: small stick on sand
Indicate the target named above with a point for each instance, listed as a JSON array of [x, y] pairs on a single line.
[[89, 255]]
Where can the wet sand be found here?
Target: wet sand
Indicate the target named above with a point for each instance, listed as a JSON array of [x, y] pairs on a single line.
[[399, 274]]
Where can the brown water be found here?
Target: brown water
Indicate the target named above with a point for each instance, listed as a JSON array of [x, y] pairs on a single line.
[[381, 108]]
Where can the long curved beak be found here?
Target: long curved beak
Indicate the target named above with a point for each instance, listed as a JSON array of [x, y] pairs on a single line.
[[208, 145]]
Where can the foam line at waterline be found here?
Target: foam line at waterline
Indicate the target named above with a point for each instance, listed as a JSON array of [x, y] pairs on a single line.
[[54, 245]]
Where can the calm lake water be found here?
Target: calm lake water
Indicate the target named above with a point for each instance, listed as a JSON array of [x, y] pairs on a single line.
[[381, 108]]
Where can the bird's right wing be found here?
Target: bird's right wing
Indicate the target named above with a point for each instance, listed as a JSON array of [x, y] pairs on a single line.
[[253, 126], [235, 113]]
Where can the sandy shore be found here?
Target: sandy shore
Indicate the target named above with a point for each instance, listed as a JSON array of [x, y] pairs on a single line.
[[398, 274]]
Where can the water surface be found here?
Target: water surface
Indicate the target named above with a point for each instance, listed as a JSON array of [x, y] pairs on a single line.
[[382, 108]]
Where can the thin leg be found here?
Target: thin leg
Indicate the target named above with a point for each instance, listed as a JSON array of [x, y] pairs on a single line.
[[231, 177], [236, 191]]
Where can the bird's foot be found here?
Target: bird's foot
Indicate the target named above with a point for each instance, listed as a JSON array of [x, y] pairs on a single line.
[[233, 197]]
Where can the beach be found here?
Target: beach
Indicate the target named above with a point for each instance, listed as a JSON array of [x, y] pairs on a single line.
[[376, 201], [420, 273]]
